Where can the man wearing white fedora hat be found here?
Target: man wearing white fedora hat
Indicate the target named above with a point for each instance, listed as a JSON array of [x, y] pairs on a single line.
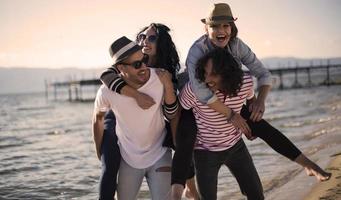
[[140, 132]]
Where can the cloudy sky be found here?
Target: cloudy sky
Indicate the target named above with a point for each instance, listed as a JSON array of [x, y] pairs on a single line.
[[77, 33]]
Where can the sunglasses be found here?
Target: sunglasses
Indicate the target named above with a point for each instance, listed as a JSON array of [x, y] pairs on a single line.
[[138, 64], [150, 38]]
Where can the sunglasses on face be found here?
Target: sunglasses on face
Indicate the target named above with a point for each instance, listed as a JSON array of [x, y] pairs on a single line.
[[150, 38], [138, 64]]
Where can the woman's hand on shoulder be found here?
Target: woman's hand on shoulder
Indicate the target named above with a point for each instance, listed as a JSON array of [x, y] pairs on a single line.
[[165, 77]]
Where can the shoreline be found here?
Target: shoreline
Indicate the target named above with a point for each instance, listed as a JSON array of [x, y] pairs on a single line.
[[331, 189], [324, 149]]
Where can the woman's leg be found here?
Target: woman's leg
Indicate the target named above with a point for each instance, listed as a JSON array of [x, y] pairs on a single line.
[[273, 137], [282, 145], [110, 159], [181, 164]]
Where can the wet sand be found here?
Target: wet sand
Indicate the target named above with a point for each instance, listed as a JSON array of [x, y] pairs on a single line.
[[331, 189]]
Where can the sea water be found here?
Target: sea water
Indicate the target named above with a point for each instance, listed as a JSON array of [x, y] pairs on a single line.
[[47, 151]]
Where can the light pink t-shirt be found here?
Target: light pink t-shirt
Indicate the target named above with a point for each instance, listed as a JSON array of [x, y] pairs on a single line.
[[140, 132]]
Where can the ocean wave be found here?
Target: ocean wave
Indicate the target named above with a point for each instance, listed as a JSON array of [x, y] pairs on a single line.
[[35, 108], [18, 170], [58, 132], [306, 122], [285, 117], [14, 158]]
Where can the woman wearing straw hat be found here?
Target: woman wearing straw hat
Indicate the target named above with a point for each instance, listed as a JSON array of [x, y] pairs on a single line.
[[221, 32]]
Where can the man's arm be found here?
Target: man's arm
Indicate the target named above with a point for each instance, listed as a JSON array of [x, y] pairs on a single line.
[[97, 130], [111, 79]]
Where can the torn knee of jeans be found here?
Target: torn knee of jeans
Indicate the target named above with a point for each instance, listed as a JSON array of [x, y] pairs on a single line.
[[164, 169]]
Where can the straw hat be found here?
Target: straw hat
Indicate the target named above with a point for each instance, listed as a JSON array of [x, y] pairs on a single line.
[[219, 13], [122, 48]]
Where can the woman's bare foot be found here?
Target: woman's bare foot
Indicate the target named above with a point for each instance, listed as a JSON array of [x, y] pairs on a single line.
[[312, 169], [319, 173]]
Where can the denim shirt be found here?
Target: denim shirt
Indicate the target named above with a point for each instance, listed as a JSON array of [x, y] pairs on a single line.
[[242, 54]]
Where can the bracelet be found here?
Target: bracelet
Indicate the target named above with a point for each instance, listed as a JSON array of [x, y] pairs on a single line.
[[171, 108], [229, 119]]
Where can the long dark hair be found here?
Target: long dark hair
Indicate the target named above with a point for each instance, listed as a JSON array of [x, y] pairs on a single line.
[[166, 54], [224, 65], [234, 31]]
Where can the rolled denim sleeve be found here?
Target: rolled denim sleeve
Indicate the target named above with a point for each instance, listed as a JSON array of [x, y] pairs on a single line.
[[256, 67], [200, 89]]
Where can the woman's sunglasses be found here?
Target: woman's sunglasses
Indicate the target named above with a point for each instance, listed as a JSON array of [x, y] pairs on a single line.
[[150, 38], [138, 64]]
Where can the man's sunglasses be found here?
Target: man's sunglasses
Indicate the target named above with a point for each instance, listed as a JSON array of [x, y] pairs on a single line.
[[138, 64], [150, 38]]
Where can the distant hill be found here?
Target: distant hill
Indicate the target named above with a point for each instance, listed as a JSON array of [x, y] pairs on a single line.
[[27, 80]]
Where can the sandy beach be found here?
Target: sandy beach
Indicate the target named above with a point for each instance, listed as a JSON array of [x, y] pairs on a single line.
[[331, 189]]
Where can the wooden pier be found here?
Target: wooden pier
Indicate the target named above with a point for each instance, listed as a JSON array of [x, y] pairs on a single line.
[[74, 89], [283, 78], [330, 74]]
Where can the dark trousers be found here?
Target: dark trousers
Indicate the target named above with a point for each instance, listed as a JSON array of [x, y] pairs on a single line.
[[186, 134], [239, 162], [182, 165], [110, 159]]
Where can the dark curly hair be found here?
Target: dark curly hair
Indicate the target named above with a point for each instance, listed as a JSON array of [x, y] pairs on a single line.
[[224, 65], [166, 54]]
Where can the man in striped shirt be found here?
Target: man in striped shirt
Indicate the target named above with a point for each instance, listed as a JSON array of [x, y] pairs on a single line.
[[218, 141]]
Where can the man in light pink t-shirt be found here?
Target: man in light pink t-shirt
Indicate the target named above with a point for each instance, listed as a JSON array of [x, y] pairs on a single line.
[[140, 132]]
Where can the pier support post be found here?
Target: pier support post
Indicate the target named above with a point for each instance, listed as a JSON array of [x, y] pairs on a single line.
[[309, 78], [70, 93], [55, 92], [328, 75], [281, 86], [46, 90]]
